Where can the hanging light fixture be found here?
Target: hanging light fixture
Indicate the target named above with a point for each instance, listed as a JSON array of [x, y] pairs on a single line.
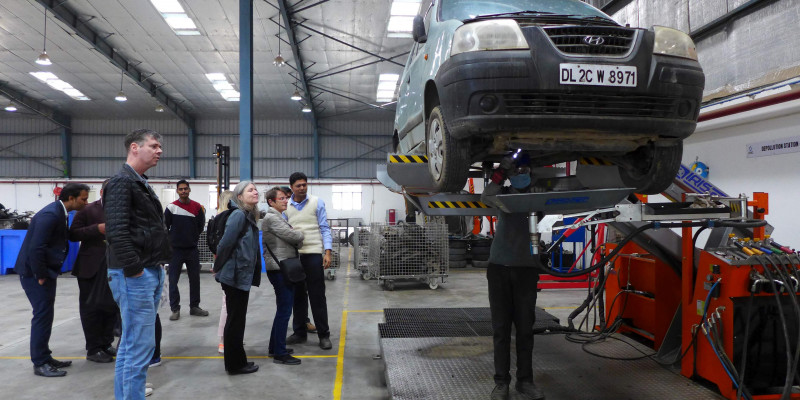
[[159, 108], [306, 109], [296, 96], [43, 59], [11, 107], [279, 61], [121, 95]]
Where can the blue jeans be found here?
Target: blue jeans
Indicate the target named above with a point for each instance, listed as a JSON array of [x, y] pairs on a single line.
[[138, 300], [42, 298], [284, 297]]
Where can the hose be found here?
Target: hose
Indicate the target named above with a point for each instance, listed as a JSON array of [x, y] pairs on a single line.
[[787, 387]]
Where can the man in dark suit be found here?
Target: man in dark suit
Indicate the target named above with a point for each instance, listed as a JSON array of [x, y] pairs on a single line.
[[39, 264], [96, 304]]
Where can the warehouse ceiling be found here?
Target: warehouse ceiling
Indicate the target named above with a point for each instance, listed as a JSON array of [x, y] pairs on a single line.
[[329, 33]]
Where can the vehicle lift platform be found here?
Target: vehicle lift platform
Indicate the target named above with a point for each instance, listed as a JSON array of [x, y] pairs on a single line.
[[677, 296]]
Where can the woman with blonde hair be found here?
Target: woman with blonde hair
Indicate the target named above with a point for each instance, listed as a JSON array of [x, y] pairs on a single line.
[[238, 268]]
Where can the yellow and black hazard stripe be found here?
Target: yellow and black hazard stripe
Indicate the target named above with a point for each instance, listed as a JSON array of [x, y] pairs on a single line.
[[594, 161], [456, 204], [407, 159]]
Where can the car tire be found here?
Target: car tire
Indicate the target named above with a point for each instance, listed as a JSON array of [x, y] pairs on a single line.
[[651, 169], [448, 158]]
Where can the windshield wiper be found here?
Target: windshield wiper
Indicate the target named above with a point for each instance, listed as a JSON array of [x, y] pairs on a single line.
[[516, 13], [599, 18]]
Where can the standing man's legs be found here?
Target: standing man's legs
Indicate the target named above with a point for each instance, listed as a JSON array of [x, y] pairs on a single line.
[[138, 299], [42, 299], [193, 273], [315, 284], [97, 319], [175, 265], [524, 281], [501, 304], [300, 311]]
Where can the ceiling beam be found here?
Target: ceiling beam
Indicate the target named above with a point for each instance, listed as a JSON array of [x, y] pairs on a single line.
[[36, 106], [99, 42], [288, 26]]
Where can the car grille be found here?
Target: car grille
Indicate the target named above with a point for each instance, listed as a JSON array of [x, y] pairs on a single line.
[[589, 104], [592, 40]]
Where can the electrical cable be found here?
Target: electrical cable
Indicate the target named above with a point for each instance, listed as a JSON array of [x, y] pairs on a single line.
[[779, 266], [745, 348], [787, 387], [630, 236]]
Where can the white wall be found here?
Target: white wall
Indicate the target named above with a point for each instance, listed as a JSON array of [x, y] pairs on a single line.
[[27, 195], [722, 144]]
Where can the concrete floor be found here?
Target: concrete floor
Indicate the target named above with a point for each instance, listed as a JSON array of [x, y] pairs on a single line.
[[192, 369]]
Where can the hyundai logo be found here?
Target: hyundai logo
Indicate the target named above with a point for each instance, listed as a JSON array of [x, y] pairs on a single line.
[[594, 40]]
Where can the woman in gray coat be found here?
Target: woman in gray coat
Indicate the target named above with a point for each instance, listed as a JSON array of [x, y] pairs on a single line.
[[239, 254], [284, 241]]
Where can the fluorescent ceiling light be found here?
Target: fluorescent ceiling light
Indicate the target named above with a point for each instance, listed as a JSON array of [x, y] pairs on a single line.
[[405, 7], [388, 78], [220, 86], [232, 99], [400, 24], [72, 92], [58, 84], [44, 76], [217, 77], [188, 33], [229, 93], [167, 6], [384, 86], [179, 21], [52, 80]]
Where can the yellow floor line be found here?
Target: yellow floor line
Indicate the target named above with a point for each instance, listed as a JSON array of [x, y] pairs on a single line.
[[170, 358], [337, 384]]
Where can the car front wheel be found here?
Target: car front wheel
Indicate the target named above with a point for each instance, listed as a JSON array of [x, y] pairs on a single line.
[[448, 158], [652, 168]]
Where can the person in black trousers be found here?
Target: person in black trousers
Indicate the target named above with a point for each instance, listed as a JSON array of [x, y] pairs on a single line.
[[43, 251], [185, 219], [237, 268], [512, 278], [98, 311]]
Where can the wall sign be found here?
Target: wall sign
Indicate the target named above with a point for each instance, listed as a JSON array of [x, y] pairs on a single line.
[[774, 147]]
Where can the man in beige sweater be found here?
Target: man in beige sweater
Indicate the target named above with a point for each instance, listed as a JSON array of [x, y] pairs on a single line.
[[307, 214]]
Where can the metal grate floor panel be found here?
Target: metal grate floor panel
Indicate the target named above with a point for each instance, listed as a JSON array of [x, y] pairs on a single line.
[[450, 322], [462, 368]]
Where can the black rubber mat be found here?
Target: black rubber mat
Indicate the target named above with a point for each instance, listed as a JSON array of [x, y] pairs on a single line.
[[450, 322]]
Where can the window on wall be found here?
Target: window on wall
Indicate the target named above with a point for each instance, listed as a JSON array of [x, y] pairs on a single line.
[[346, 197]]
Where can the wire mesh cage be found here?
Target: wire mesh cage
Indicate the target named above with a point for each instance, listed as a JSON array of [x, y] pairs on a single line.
[[361, 250], [408, 251], [339, 258], [206, 258]]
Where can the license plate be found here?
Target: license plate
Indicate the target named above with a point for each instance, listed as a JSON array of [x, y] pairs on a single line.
[[598, 75]]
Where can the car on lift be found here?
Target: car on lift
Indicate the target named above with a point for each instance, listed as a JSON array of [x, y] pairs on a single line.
[[558, 79]]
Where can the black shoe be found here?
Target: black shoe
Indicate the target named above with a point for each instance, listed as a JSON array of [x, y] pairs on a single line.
[[100, 357], [529, 391], [288, 351], [247, 369], [47, 371], [59, 364], [286, 359], [500, 392], [110, 350], [294, 339], [325, 344], [197, 311]]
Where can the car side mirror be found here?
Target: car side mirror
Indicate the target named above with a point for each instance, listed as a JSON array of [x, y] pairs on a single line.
[[418, 30]]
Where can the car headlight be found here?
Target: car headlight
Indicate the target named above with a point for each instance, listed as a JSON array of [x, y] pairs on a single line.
[[500, 34], [672, 42]]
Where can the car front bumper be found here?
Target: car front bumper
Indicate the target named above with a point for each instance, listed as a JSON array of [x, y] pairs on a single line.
[[518, 92]]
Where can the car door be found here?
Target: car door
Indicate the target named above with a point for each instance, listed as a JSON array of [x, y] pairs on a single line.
[[413, 92]]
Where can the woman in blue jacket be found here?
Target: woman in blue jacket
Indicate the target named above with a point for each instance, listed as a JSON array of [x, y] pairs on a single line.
[[239, 254]]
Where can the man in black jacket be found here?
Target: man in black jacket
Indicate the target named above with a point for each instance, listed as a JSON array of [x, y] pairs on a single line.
[[38, 265], [138, 247]]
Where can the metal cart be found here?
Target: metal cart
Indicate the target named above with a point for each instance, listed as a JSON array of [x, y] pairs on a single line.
[[360, 243], [339, 257], [408, 251]]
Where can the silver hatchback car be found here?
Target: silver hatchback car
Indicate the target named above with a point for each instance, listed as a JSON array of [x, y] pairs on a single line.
[[557, 79]]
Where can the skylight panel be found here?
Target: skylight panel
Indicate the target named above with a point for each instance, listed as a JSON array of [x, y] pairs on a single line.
[[52, 80]]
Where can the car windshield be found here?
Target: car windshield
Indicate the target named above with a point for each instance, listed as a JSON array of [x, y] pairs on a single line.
[[468, 9]]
